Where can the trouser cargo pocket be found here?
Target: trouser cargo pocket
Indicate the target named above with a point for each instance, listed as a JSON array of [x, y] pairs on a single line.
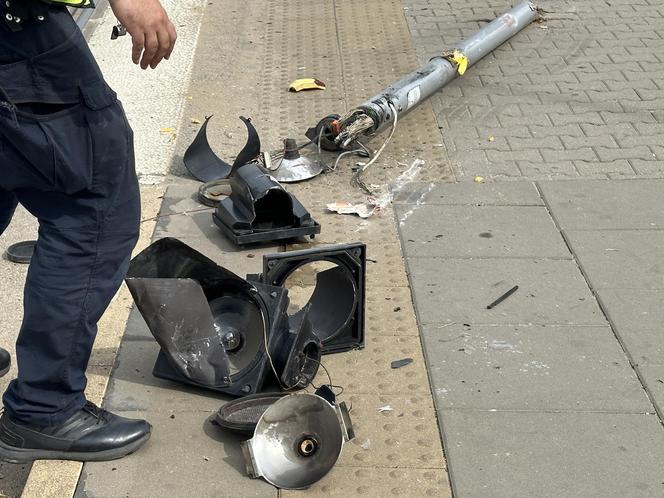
[[59, 148]]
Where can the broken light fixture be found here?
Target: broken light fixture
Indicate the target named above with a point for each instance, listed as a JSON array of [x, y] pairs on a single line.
[[259, 209], [297, 441], [213, 326], [293, 166], [336, 305]]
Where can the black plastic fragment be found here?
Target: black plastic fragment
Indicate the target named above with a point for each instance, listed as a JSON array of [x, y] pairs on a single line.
[[260, 210], [204, 165], [212, 325], [336, 307], [327, 394], [503, 297], [21, 252], [243, 414], [401, 363]]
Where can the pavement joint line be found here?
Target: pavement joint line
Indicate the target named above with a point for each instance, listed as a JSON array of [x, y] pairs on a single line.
[[589, 412], [602, 307], [420, 325], [487, 258], [612, 230]]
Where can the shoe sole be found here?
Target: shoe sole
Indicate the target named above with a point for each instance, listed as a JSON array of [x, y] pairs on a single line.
[[4, 370], [11, 454]]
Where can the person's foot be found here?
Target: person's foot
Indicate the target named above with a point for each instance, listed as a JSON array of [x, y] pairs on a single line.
[[92, 434], [5, 361]]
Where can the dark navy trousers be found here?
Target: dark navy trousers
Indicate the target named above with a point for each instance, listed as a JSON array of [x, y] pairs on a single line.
[[66, 154]]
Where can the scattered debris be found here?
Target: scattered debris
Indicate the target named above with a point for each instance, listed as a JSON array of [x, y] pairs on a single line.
[[479, 179], [362, 210], [401, 363], [306, 84], [386, 408], [503, 297], [366, 445], [195, 121]]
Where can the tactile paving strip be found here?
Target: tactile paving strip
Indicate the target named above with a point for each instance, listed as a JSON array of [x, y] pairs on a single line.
[[397, 437]]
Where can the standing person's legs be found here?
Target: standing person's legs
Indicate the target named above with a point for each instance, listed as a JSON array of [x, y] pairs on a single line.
[[72, 166], [7, 207], [8, 204]]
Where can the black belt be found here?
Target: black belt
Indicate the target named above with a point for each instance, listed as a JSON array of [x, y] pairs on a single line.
[[16, 13]]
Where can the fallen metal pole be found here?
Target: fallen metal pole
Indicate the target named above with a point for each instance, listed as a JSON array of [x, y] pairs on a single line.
[[408, 93]]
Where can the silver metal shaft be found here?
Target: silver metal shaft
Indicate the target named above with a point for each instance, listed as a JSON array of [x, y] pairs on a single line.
[[418, 86]]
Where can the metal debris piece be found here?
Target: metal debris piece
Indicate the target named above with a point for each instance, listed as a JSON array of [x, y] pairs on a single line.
[[297, 441], [118, 31], [293, 167], [401, 363], [503, 297]]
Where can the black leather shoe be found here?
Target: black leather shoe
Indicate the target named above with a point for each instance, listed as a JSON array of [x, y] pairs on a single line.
[[5, 361], [90, 435]]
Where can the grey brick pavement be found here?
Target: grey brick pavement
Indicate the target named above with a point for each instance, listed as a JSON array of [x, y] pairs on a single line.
[[580, 95], [559, 390]]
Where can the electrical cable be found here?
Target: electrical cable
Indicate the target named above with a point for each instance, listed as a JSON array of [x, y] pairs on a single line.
[[357, 180]]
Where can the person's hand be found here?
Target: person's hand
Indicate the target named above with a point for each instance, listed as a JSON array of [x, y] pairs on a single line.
[[153, 34]]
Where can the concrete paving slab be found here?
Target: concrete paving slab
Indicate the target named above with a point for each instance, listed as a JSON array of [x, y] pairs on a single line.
[[637, 316], [624, 259], [603, 205], [470, 194], [653, 378], [203, 450], [531, 368], [509, 454], [480, 232], [454, 290]]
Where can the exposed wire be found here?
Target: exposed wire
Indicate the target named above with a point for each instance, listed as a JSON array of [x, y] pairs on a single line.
[[310, 381], [357, 177]]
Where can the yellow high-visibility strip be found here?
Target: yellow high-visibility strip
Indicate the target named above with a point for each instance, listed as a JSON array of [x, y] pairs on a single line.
[[77, 4]]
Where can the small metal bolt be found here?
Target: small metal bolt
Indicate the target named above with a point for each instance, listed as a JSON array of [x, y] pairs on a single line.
[[246, 388], [9, 17], [17, 20], [40, 18]]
